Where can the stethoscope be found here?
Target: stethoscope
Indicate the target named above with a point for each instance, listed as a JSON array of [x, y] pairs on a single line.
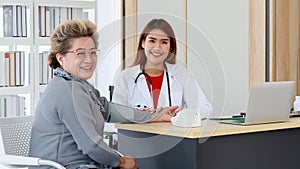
[[150, 81]]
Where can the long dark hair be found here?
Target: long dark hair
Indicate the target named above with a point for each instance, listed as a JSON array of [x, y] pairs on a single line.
[[165, 27]]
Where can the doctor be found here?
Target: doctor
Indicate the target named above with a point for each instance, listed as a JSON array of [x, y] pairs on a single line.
[[154, 80]]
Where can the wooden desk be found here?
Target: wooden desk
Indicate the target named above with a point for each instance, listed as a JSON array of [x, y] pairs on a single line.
[[212, 146]]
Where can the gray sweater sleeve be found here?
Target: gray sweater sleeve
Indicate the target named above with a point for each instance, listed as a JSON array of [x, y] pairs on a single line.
[[83, 119], [116, 113]]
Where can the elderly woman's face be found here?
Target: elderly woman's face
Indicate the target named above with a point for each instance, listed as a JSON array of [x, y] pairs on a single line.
[[81, 59]]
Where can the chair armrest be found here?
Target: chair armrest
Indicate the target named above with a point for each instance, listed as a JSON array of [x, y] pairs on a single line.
[[51, 163], [18, 160], [12, 160]]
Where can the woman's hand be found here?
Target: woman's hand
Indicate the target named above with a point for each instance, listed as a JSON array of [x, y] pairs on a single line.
[[128, 162], [164, 114]]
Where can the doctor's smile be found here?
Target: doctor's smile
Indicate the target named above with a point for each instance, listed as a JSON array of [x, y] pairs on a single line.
[[156, 53]]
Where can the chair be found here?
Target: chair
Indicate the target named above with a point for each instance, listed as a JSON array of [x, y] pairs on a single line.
[[15, 135], [111, 136], [112, 139]]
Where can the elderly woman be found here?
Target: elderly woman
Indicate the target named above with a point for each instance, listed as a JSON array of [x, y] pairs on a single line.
[[70, 115]]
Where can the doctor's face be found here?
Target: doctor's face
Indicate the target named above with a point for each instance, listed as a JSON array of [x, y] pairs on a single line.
[[81, 59], [156, 47]]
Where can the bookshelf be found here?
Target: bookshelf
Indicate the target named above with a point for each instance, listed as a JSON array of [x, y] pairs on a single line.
[[36, 42]]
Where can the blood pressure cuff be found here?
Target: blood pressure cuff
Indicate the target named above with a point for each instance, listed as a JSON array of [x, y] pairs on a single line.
[[118, 113]]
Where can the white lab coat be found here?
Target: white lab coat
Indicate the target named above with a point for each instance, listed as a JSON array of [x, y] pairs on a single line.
[[184, 90]]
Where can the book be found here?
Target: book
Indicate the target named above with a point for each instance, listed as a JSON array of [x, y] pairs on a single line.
[[19, 20], [45, 69], [77, 13], [50, 74], [1, 106], [40, 68], [21, 106], [7, 21], [12, 68], [1, 21], [15, 23], [24, 21], [18, 68], [2, 67], [6, 69], [48, 22], [27, 68], [56, 17], [42, 21], [12, 106], [63, 14], [69, 12], [22, 68], [85, 15], [5, 107]]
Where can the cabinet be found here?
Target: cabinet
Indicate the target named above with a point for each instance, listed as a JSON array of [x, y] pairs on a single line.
[[35, 42]]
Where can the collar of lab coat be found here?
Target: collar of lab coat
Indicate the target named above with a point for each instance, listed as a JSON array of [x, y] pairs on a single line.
[[172, 70]]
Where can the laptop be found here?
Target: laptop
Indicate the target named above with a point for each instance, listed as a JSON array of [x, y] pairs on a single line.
[[268, 102]]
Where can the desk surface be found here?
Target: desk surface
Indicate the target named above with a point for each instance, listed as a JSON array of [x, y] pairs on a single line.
[[209, 128]]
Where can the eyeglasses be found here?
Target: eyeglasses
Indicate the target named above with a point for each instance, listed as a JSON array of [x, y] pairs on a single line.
[[82, 53]]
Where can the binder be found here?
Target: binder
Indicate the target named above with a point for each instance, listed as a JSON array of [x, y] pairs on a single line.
[[19, 20], [24, 21], [7, 21]]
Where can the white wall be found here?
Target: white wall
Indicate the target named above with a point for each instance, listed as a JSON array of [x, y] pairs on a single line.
[[170, 10], [109, 26], [225, 76]]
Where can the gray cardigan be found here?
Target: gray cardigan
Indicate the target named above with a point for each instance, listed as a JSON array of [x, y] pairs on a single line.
[[68, 127]]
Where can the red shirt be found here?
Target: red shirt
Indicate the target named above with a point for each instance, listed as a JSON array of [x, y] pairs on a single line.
[[156, 86]]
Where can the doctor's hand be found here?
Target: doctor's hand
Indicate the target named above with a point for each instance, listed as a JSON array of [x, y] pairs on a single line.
[[164, 114]]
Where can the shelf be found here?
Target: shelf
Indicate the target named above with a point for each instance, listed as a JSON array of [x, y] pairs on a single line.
[[16, 2], [16, 90], [43, 41], [16, 41], [34, 44], [67, 3], [41, 88]]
